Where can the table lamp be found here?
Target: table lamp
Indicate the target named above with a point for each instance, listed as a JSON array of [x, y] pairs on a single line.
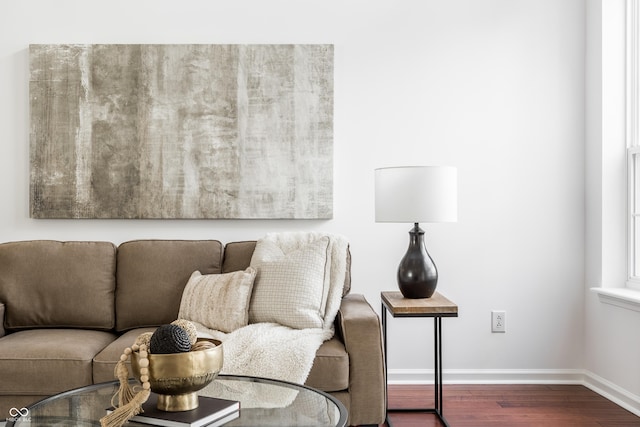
[[416, 194]]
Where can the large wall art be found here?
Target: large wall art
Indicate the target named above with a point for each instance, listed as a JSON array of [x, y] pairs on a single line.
[[181, 131]]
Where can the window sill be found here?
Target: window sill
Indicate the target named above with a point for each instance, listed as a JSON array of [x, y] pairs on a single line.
[[620, 297]]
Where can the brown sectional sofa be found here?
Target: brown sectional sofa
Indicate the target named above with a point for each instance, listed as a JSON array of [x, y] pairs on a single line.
[[70, 308]]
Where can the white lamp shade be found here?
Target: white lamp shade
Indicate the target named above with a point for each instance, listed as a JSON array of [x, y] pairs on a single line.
[[416, 194]]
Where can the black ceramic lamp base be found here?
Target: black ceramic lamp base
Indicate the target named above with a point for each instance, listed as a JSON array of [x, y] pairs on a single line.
[[417, 273]]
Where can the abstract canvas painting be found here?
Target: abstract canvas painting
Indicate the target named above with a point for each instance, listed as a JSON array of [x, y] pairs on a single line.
[[181, 131]]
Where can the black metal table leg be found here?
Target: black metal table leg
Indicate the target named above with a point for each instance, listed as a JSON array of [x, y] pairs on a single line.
[[437, 371]]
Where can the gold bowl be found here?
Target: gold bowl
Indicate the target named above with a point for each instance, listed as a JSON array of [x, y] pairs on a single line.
[[176, 377]]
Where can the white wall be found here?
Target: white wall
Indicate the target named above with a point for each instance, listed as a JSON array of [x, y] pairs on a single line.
[[494, 87]]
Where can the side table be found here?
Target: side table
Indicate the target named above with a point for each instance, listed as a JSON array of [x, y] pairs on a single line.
[[436, 307]]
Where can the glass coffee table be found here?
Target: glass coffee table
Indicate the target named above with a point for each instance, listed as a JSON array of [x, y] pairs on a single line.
[[263, 402]]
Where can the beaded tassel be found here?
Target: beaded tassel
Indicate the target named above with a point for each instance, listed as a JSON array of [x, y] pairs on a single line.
[[129, 403], [125, 392]]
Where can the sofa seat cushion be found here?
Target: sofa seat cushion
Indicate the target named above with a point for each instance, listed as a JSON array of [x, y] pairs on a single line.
[[330, 370], [49, 361], [105, 361]]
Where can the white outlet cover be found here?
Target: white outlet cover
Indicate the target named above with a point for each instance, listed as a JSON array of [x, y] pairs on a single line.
[[498, 321]]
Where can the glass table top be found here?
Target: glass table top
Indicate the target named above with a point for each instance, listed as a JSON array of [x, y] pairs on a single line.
[[263, 402]]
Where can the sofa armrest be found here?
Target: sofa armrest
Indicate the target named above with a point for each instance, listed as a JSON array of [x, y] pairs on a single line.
[[2, 331], [360, 328]]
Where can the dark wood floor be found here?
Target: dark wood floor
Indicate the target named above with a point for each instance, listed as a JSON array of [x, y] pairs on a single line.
[[509, 406]]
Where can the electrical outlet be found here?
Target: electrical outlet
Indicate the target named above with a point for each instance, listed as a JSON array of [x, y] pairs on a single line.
[[498, 321]]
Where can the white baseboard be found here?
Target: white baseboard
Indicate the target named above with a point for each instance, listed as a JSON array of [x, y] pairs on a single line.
[[605, 388], [616, 394], [488, 376]]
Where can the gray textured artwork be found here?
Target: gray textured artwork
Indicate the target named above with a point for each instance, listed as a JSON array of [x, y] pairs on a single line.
[[181, 131]]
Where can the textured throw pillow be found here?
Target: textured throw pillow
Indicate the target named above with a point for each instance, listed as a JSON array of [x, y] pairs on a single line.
[[290, 288], [218, 301]]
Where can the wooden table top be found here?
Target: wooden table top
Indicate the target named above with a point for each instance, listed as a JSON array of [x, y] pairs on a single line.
[[437, 305]]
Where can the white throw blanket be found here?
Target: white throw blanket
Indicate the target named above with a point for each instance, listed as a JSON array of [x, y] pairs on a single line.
[[274, 351]]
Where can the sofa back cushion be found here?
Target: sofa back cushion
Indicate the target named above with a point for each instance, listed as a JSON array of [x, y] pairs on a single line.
[[152, 275], [55, 284], [237, 256]]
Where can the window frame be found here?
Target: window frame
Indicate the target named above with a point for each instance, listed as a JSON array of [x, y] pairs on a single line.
[[633, 215], [633, 144], [627, 295]]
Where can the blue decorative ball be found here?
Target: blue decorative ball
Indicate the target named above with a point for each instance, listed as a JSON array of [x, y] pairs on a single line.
[[169, 339]]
